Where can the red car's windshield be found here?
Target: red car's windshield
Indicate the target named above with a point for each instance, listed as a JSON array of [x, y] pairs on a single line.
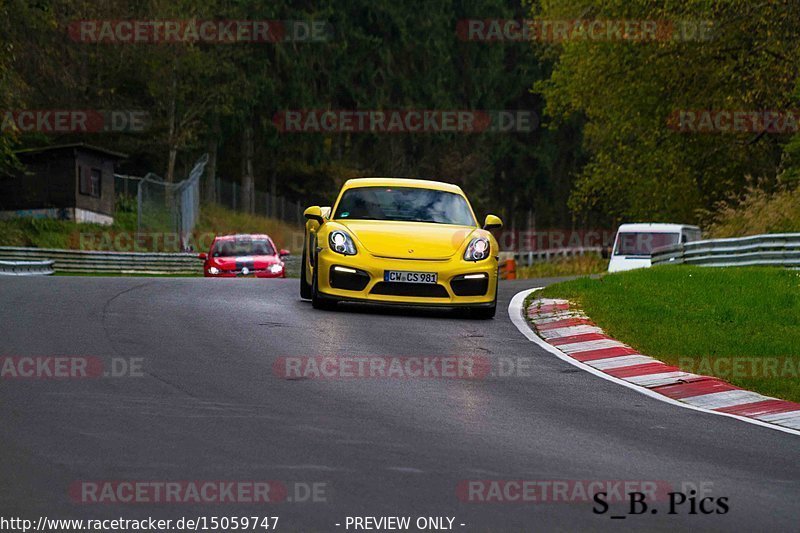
[[242, 247]]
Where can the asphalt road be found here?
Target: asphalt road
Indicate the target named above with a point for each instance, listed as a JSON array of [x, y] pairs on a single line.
[[209, 407]]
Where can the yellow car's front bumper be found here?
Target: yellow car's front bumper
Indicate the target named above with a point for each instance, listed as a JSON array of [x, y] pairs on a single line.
[[367, 283]]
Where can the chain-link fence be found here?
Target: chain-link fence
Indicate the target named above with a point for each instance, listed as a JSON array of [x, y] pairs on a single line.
[[161, 206], [175, 207], [187, 193], [229, 194]]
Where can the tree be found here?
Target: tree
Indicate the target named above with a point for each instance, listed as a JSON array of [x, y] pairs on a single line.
[[638, 167]]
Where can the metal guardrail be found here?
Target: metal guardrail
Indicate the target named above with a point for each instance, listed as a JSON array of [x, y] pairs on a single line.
[[26, 268], [777, 249], [84, 261]]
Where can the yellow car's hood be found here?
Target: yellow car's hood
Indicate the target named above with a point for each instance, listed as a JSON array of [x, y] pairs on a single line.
[[408, 240]]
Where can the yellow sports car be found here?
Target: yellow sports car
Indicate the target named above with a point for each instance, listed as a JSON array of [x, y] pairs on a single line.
[[400, 241]]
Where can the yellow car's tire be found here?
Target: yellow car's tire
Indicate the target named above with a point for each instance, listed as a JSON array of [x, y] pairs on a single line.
[[305, 286], [487, 312], [318, 302]]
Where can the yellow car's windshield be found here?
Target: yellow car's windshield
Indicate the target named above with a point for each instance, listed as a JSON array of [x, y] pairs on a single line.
[[409, 204]]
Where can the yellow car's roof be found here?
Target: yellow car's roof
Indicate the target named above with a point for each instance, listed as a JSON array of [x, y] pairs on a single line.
[[402, 182]]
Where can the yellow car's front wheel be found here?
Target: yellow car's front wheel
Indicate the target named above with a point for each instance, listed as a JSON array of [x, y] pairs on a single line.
[[305, 286], [318, 301], [486, 312]]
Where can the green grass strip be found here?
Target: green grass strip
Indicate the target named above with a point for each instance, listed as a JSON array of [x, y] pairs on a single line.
[[741, 324]]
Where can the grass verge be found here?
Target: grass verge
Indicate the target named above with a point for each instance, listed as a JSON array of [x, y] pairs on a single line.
[[120, 236], [740, 324], [219, 220]]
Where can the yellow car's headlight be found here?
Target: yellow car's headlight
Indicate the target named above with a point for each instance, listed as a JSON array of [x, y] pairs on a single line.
[[477, 250], [341, 243]]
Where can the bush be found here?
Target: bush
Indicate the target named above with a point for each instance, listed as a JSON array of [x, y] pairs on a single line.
[[758, 211]]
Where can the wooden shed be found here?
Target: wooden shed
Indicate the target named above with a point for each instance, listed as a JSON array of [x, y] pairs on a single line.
[[68, 182]]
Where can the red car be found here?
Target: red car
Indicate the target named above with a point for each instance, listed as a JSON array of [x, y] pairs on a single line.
[[234, 256]]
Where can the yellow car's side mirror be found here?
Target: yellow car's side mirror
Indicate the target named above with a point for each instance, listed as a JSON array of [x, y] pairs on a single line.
[[492, 222], [314, 213]]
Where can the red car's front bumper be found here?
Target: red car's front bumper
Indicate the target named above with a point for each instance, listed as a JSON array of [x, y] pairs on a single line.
[[223, 274]]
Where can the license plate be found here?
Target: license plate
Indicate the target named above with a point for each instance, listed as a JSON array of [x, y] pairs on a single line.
[[401, 276]]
